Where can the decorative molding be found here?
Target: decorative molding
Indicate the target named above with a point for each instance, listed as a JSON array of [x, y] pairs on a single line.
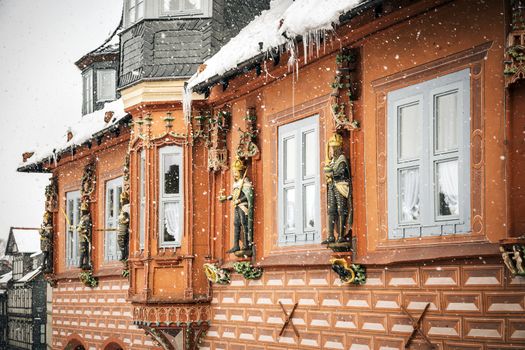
[[515, 50]]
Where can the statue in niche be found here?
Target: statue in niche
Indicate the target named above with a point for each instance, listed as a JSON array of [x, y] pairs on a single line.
[[46, 241], [339, 195], [123, 217], [242, 199], [84, 232]]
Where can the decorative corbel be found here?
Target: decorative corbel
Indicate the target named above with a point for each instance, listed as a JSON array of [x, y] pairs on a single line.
[[247, 147], [215, 274], [348, 273]]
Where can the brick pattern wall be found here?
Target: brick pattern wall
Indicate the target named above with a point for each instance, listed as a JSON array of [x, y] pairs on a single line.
[[95, 315], [473, 305]]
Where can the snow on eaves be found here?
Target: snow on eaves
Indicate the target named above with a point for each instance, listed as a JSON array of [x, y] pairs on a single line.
[[283, 22], [82, 130]]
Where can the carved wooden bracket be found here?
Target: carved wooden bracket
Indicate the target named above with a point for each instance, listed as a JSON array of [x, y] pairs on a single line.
[[416, 325], [289, 320]]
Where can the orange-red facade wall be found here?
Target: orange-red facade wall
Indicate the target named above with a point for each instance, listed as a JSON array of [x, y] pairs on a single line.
[[475, 304]]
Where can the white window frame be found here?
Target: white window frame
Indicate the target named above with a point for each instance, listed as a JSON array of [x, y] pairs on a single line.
[[87, 91], [142, 199], [103, 96], [72, 242], [164, 198], [429, 222], [205, 9], [301, 235], [134, 5], [112, 211]]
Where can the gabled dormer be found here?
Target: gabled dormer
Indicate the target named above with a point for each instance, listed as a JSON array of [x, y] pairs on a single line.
[[99, 75]]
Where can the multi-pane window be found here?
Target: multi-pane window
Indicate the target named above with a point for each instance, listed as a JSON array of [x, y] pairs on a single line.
[[73, 218], [87, 91], [170, 196], [428, 158], [106, 84], [182, 6], [113, 191], [298, 189], [142, 199], [135, 10]]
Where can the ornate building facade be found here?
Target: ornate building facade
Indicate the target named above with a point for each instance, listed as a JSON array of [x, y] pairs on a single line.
[[339, 175]]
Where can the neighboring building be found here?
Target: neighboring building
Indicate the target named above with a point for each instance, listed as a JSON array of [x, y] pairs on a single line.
[[26, 292], [4, 280], [162, 43]]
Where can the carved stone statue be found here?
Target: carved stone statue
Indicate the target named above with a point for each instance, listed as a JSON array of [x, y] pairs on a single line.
[[85, 225], [46, 241], [518, 257], [123, 231], [123, 218], [84, 232], [339, 192], [242, 198]]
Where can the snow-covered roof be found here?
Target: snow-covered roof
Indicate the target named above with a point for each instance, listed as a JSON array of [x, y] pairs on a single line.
[[279, 25], [6, 277], [84, 129], [30, 275], [26, 240]]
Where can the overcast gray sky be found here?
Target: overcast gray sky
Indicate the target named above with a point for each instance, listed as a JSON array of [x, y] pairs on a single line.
[[40, 88]]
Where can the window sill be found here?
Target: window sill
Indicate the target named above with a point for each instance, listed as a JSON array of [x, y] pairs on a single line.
[[412, 253], [313, 257]]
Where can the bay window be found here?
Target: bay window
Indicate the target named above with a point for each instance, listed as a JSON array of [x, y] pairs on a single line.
[[171, 218], [113, 191], [298, 182], [429, 158], [135, 10], [73, 218], [184, 7]]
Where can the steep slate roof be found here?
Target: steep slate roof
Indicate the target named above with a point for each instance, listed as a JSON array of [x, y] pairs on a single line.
[[274, 28], [86, 128], [23, 240]]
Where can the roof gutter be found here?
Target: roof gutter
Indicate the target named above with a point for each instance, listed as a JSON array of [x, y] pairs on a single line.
[[252, 62]]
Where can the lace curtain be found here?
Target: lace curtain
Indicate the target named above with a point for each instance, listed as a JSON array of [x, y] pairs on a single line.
[[171, 221]]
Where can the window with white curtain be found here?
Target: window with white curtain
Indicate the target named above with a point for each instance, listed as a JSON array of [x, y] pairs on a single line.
[[106, 84], [87, 91], [429, 158], [73, 218], [113, 191], [299, 185], [142, 199], [171, 217]]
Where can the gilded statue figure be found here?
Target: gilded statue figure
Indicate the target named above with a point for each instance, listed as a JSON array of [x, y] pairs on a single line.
[[339, 192], [242, 199], [84, 232]]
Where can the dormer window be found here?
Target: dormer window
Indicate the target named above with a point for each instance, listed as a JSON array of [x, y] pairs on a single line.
[[87, 91], [106, 85]]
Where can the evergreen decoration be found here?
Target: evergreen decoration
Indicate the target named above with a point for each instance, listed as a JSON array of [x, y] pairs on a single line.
[[216, 275], [360, 274], [344, 92], [247, 270], [87, 278]]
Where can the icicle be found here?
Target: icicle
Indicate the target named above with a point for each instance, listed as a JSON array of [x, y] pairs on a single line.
[[186, 103], [306, 43]]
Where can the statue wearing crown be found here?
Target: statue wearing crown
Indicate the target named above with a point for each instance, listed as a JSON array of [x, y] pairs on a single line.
[[339, 195], [242, 199]]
